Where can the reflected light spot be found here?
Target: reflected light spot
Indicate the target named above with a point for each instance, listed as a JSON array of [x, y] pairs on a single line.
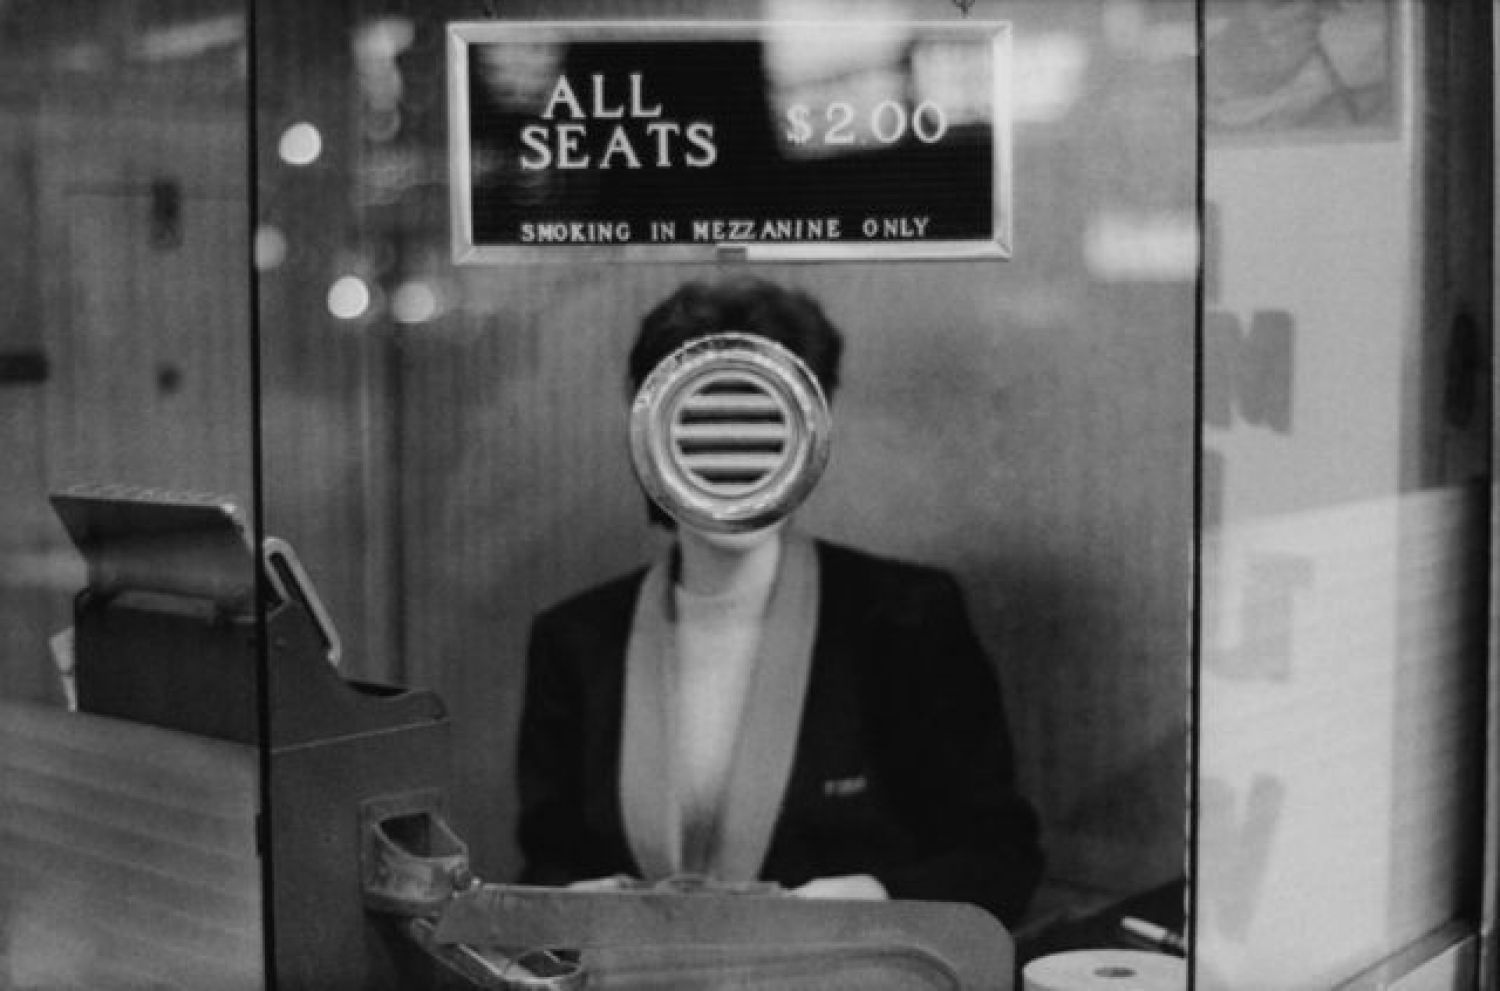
[[944, 73], [301, 144], [1142, 247], [190, 39], [349, 298], [414, 302], [522, 77], [795, 57], [270, 247], [1048, 77], [384, 37]]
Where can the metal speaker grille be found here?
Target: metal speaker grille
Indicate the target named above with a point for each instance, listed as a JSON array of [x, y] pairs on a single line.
[[729, 433]]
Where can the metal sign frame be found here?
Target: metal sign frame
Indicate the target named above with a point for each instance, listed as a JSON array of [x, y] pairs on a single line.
[[464, 35]]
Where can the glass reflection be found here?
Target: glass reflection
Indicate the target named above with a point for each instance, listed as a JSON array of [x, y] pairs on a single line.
[[1345, 490], [129, 855]]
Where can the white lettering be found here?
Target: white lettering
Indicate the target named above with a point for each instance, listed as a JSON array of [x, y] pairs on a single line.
[[638, 106], [663, 131], [534, 136], [563, 92], [575, 145], [576, 232], [701, 135], [770, 229], [619, 144], [895, 228], [568, 155], [600, 110]]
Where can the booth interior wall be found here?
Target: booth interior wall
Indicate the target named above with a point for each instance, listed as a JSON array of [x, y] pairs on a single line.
[[1026, 424]]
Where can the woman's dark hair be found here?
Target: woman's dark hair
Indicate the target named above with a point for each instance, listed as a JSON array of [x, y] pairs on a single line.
[[745, 304]]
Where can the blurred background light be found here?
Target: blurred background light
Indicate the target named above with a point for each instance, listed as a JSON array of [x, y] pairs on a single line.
[[270, 247], [1048, 78], [301, 144], [414, 302], [349, 298], [1142, 247]]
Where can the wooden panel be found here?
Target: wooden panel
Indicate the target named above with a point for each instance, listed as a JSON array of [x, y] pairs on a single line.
[[127, 855], [36, 581], [29, 607], [138, 305], [145, 313], [152, 383]]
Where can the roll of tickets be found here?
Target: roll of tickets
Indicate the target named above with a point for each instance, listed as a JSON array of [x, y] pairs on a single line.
[[1105, 970]]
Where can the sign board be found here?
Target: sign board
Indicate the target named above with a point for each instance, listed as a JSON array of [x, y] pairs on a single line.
[[689, 141]]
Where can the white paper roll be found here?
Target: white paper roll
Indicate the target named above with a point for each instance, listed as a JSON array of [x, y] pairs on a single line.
[[1105, 970]]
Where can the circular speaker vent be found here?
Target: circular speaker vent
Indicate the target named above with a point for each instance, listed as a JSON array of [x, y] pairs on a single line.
[[729, 433]]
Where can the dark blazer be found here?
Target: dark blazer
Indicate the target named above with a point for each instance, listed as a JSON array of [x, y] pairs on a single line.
[[903, 765]]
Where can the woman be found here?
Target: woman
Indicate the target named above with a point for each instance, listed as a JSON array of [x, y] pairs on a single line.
[[763, 707]]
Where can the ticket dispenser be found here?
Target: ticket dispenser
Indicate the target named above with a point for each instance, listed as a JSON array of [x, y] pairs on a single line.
[[372, 889], [165, 633]]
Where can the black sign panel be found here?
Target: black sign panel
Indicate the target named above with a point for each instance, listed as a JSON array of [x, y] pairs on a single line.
[[685, 141]]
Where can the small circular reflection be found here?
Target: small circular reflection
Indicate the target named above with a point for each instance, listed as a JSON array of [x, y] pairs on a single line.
[[414, 302], [301, 144], [270, 247], [349, 298]]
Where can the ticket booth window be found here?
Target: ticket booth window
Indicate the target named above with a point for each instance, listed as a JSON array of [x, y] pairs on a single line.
[[444, 355], [1164, 404]]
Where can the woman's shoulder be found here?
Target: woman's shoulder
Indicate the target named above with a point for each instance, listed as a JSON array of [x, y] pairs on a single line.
[[877, 576], [596, 604]]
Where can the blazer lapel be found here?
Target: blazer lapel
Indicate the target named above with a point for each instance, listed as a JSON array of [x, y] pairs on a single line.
[[767, 745], [648, 800], [766, 748]]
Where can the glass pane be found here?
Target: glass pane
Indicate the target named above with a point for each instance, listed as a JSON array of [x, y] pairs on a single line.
[[1346, 484], [127, 826], [447, 445]]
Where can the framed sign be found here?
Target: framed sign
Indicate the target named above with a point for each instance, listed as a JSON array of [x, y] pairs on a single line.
[[689, 141]]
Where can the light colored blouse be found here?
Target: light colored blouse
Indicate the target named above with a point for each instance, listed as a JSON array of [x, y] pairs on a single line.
[[718, 637]]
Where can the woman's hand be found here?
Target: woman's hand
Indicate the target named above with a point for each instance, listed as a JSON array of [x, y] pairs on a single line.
[[616, 882], [858, 887]]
